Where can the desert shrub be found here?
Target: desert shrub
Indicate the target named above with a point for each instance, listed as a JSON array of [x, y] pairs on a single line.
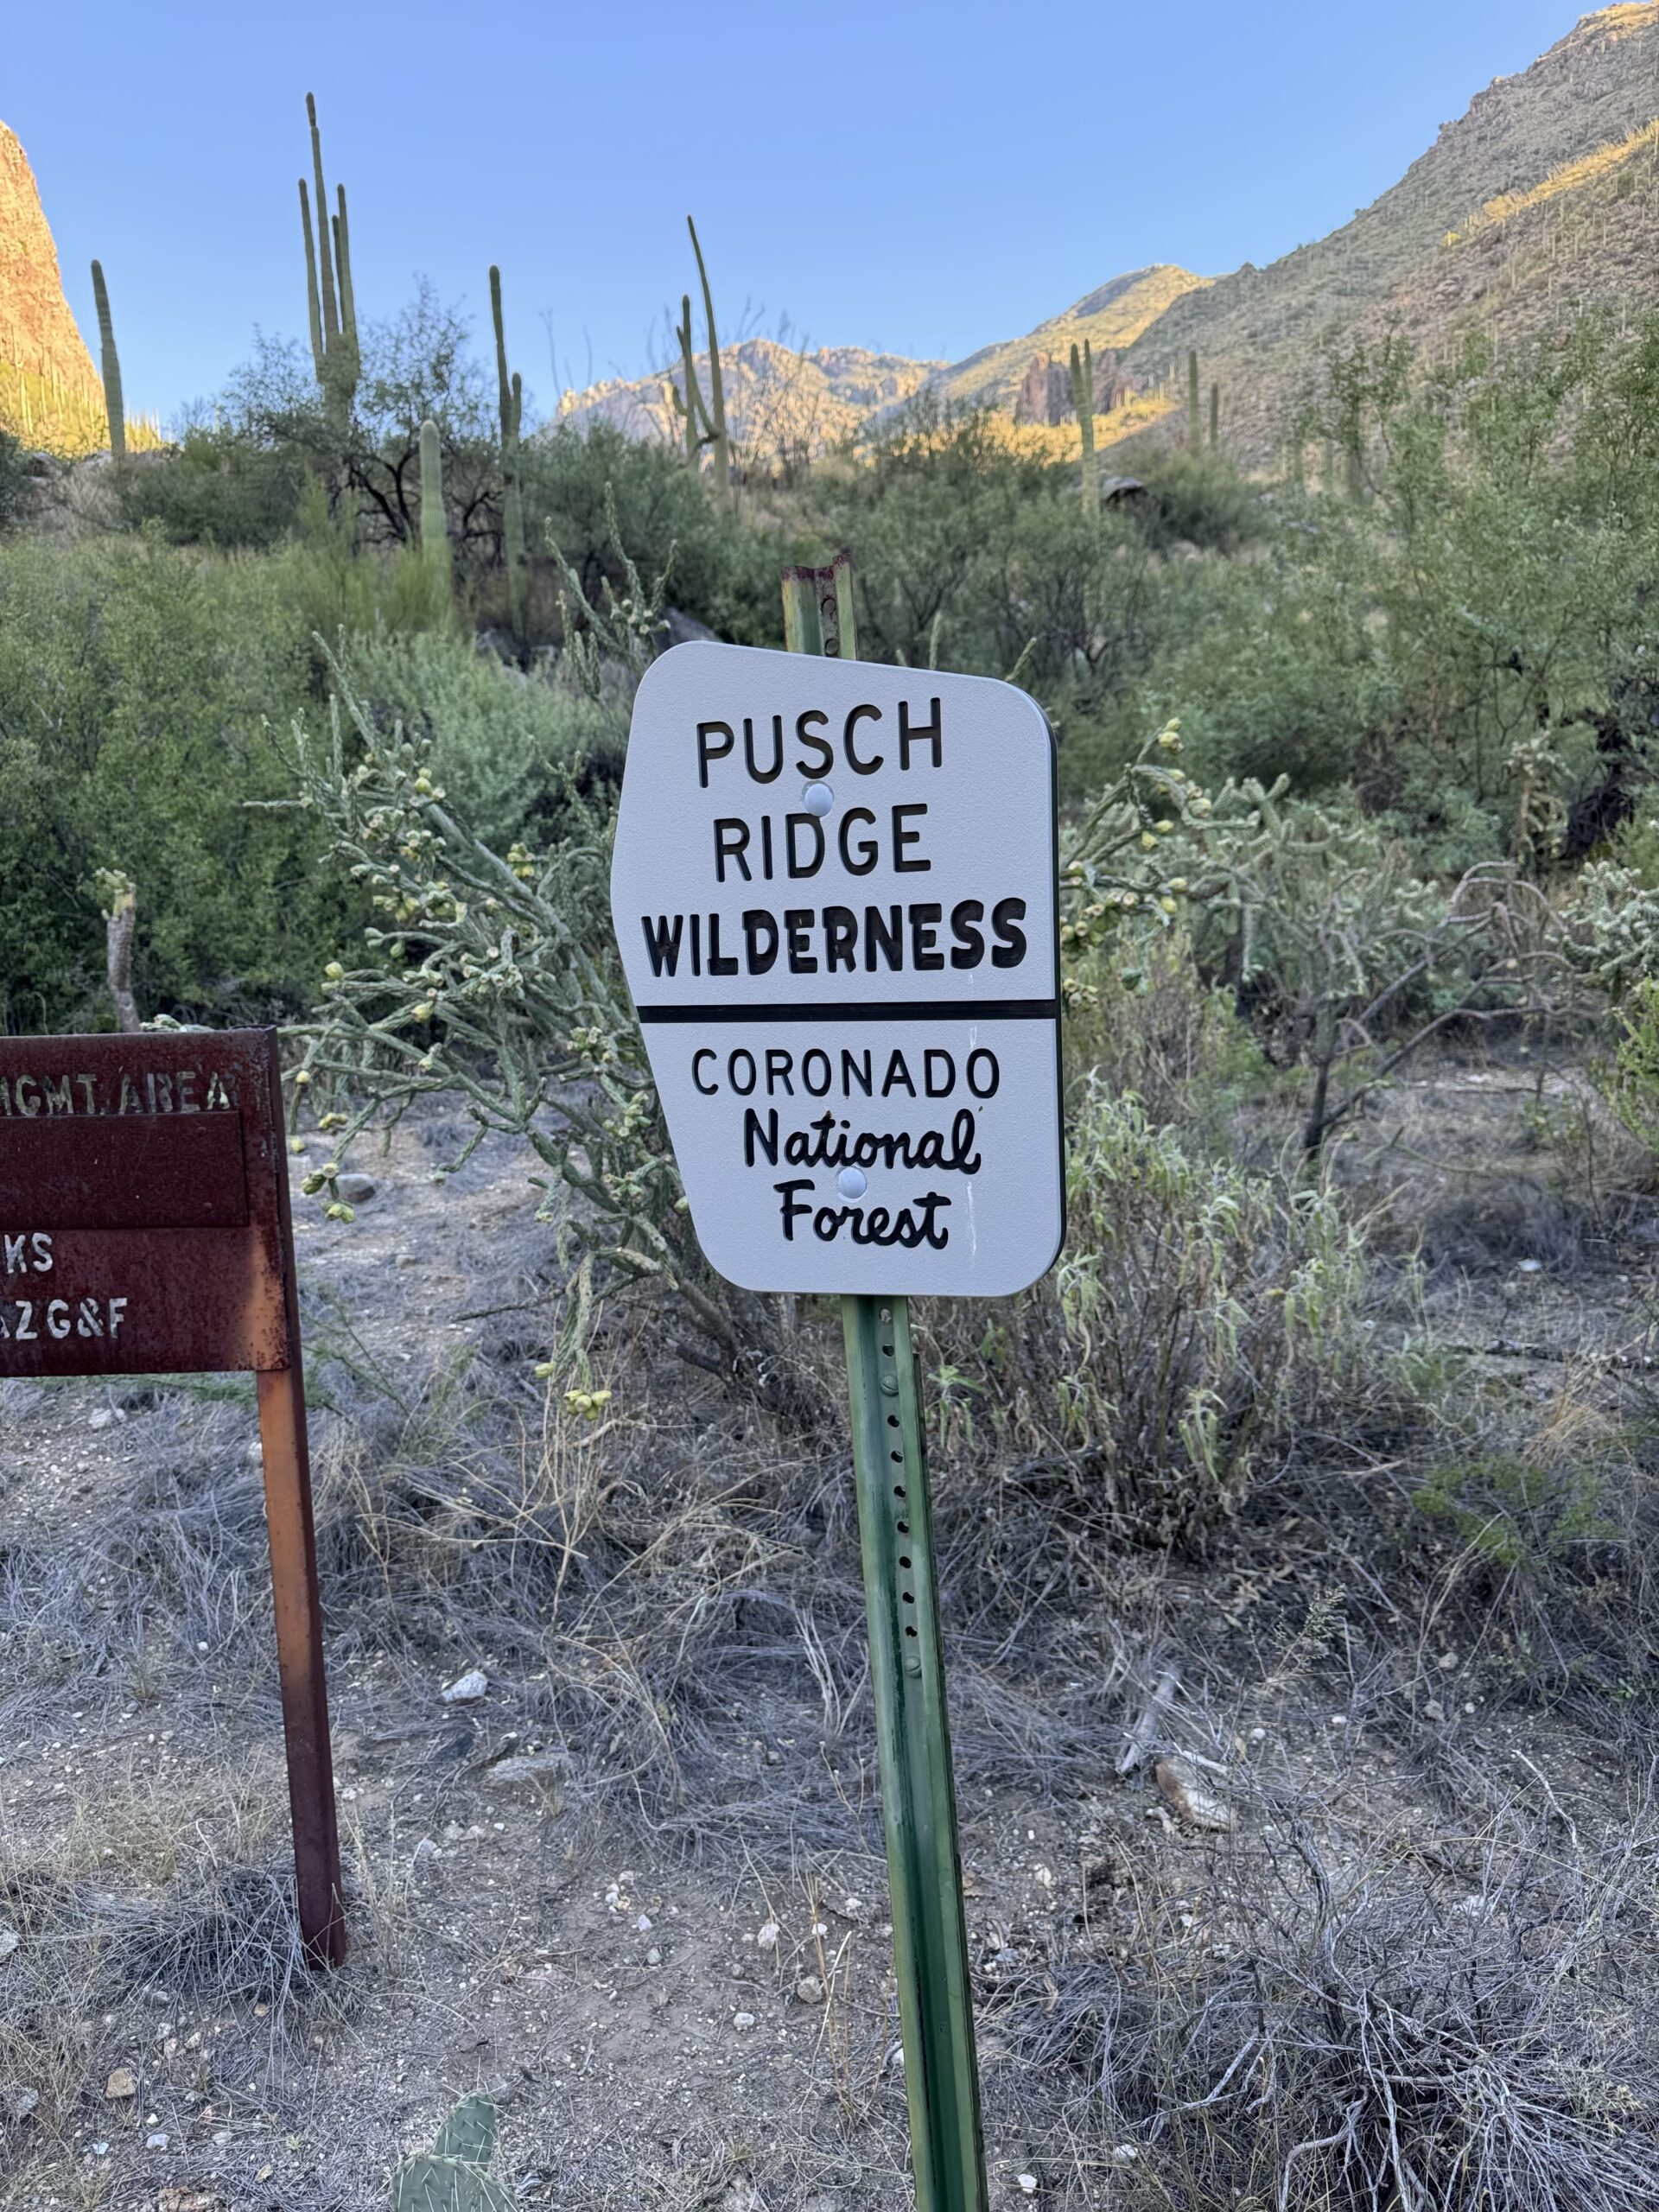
[[930, 516], [1266, 670], [332, 579], [217, 487], [134, 681], [1142, 1018], [17, 485], [1198, 500], [495, 980], [590, 492], [1350, 959], [1194, 1314], [1418, 2049], [1518, 1513], [507, 745]]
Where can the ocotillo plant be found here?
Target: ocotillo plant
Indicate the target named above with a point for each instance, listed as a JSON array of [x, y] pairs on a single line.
[[435, 536], [1192, 437], [111, 365], [1083, 397], [331, 304], [512, 400]]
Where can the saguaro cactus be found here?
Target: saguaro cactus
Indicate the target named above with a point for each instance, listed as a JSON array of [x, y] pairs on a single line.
[[1192, 425], [331, 304], [511, 401], [435, 534], [688, 403], [705, 420], [110, 363], [1215, 416], [1082, 399]]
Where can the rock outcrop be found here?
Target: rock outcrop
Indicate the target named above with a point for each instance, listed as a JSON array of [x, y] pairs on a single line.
[[38, 334]]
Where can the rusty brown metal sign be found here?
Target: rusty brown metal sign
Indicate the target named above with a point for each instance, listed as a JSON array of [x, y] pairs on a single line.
[[145, 1230]]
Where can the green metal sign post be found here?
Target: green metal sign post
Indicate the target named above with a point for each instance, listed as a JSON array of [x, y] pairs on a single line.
[[919, 1803], [834, 886]]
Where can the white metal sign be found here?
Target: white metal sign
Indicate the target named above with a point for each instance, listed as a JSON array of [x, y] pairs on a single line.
[[834, 893]]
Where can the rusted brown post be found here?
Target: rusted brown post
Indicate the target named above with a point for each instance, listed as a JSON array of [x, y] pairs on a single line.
[[298, 1604], [145, 1229], [299, 1661]]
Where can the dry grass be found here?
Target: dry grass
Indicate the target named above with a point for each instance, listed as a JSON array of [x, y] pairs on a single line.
[[1407, 1978], [1566, 177]]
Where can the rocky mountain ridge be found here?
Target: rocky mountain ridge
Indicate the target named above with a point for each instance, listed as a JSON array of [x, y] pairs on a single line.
[[50, 394], [782, 405], [1541, 200]]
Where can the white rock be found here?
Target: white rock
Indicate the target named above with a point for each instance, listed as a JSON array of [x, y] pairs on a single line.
[[741, 2020], [467, 1688], [653, 1956], [156, 2140], [1027, 2183], [1192, 1800], [1124, 2154], [766, 1940], [810, 1989], [526, 1766]]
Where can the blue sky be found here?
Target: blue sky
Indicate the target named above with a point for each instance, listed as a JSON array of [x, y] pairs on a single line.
[[913, 176]]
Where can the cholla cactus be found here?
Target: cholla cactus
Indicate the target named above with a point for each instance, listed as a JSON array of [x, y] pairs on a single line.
[[1140, 857], [119, 895], [1613, 932], [494, 983], [627, 628]]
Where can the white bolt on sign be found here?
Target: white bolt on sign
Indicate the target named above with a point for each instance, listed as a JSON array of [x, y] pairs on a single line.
[[834, 893]]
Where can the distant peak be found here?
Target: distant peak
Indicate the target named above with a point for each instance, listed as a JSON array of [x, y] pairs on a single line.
[[1624, 20]]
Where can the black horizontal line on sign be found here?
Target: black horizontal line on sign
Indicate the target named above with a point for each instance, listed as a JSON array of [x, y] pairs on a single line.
[[866, 1010]]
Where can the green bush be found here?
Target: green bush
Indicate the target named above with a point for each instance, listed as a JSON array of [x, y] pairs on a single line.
[[1519, 1513], [508, 747], [135, 684], [1198, 499], [1196, 1312], [217, 488], [724, 571], [17, 485]]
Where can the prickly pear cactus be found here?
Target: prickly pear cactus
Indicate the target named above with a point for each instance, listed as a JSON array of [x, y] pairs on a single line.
[[452, 2176]]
